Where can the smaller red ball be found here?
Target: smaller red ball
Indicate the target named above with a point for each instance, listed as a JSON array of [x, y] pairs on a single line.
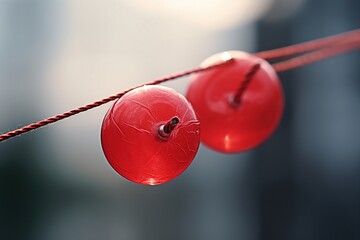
[[150, 135], [229, 127]]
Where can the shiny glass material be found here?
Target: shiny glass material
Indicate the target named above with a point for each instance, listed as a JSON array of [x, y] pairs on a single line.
[[132, 142], [225, 126]]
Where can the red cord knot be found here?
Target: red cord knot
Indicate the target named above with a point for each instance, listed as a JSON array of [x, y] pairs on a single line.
[[166, 129], [236, 99]]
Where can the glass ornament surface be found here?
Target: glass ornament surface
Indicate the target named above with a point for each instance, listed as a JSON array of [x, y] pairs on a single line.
[[229, 127], [133, 140]]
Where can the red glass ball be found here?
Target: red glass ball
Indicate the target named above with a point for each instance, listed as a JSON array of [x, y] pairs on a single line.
[[224, 126], [150, 135]]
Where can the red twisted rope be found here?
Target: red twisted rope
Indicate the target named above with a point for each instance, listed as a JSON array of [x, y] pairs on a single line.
[[315, 56], [317, 50], [348, 37], [70, 113]]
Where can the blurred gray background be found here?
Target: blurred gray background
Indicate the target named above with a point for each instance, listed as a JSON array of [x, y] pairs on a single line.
[[55, 183]]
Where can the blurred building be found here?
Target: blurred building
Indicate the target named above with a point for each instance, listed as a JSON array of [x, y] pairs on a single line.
[[55, 183]]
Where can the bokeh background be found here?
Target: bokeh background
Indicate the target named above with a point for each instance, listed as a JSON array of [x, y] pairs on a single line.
[[55, 183]]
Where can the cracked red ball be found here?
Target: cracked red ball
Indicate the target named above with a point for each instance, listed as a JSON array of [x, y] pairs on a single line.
[[239, 104], [150, 135]]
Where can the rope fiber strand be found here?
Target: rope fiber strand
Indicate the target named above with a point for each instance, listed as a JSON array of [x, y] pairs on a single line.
[[311, 51]]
